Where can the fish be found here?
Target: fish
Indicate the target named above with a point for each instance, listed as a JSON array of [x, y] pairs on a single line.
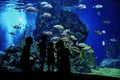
[[82, 45], [29, 4], [47, 6], [91, 51], [76, 49], [44, 3], [106, 21], [81, 6], [16, 27], [103, 32], [59, 27], [98, 6], [73, 37], [86, 48], [46, 15], [12, 33], [113, 40], [31, 9], [98, 32], [65, 32], [55, 38], [103, 43], [48, 32], [64, 39]]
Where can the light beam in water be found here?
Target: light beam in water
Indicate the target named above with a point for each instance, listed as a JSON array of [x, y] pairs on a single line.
[[9, 18]]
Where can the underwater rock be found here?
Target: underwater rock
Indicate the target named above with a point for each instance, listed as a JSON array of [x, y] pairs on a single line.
[[68, 20], [13, 49], [110, 63], [11, 62], [80, 65]]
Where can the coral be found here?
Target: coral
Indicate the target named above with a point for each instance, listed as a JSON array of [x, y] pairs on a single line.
[[83, 54], [91, 58]]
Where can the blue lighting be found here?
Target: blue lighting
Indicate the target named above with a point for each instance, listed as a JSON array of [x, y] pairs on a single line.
[[9, 18]]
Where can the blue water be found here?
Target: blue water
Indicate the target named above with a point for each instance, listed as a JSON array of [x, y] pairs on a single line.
[[110, 11], [89, 17]]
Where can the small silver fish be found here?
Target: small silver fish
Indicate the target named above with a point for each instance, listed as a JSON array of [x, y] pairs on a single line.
[[81, 6], [113, 40], [103, 32], [98, 6], [103, 43]]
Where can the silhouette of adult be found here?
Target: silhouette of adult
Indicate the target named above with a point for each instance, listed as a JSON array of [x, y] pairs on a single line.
[[50, 56], [63, 55], [25, 56], [42, 47]]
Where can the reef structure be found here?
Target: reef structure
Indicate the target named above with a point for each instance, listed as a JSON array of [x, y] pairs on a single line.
[[47, 18]]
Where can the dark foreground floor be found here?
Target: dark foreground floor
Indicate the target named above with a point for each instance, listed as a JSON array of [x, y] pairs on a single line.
[[50, 76]]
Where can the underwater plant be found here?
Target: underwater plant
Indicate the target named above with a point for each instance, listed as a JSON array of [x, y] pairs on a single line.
[[87, 49], [91, 56], [83, 54]]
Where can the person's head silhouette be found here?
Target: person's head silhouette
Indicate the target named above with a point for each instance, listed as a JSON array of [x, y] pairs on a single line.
[[60, 44], [50, 44], [29, 40], [43, 37]]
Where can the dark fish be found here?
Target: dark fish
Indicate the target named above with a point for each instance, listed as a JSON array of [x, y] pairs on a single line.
[[12, 33], [16, 27], [18, 8]]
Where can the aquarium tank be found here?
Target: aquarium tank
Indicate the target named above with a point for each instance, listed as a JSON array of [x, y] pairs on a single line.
[[89, 29]]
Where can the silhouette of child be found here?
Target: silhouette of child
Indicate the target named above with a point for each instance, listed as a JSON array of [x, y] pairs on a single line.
[[63, 55], [42, 47], [50, 56], [25, 56]]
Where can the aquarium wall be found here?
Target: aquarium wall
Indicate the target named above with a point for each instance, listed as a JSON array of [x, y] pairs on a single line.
[[89, 29]]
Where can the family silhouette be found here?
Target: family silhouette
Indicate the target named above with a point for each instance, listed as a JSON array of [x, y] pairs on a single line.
[[47, 53]]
